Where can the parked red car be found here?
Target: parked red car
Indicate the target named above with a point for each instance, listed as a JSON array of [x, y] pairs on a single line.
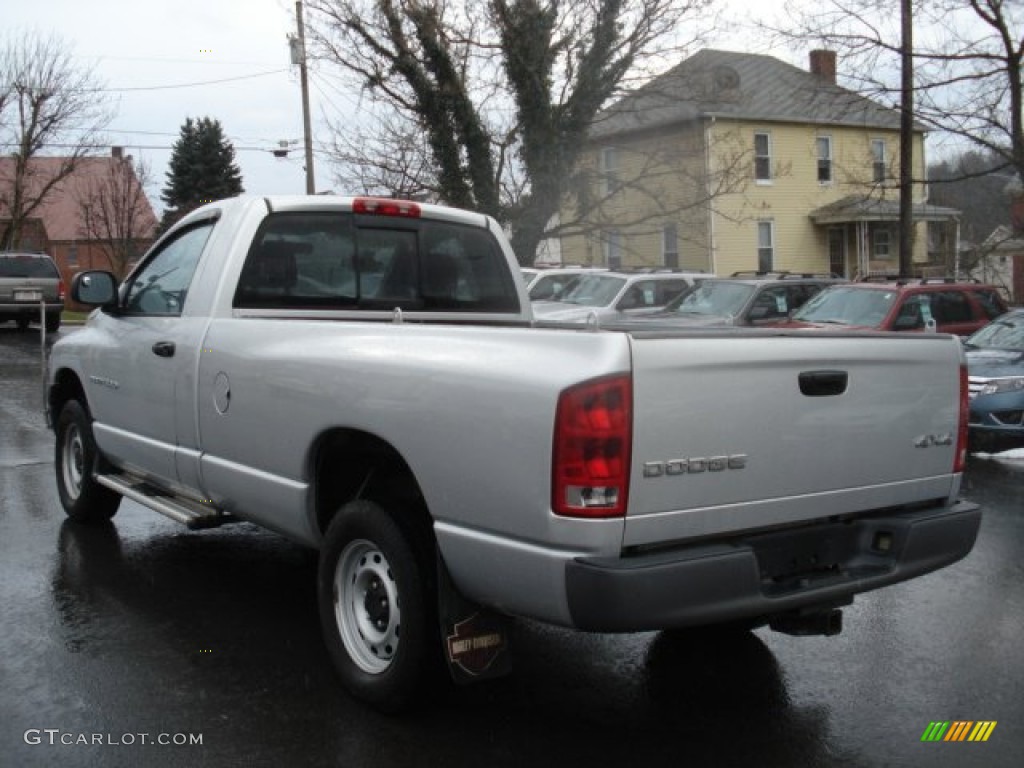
[[943, 305]]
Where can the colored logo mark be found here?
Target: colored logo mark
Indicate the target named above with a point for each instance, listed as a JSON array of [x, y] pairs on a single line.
[[959, 730]]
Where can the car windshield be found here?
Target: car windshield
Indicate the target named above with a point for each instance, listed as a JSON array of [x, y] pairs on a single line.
[[847, 306], [593, 290], [712, 298], [26, 266], [1005, 333], [550, 287]]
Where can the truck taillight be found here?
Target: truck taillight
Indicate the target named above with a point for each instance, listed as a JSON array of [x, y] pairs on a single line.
[[381, 206], [60, 290], [591, 454], [960, 460]]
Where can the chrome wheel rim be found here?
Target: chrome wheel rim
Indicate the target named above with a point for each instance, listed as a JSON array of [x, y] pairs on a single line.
[[366, 606], [73, 461]]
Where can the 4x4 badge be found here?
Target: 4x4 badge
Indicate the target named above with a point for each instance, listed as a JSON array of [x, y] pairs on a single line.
[[926, 441]]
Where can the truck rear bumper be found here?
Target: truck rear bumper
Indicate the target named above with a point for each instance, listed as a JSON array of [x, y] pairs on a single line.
[[765, 574]]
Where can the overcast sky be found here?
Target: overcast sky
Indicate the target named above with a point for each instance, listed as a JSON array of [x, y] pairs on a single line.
[[159, 58], [140, 49]]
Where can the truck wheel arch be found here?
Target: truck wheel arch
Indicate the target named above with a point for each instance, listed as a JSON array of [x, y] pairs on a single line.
[[351, 464], [66, 386]]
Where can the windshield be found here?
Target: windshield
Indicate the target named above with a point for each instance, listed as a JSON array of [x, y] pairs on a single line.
[[550, 287], [1005, 333], [847, 306], [712, 298], [593, 290], [26, 266]]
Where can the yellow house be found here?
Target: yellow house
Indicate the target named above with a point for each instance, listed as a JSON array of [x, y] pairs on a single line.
[[734, 161]]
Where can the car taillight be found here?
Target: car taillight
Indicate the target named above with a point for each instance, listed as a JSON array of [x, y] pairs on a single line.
[[380, 206], [960, 459], [591, 453], [60, 290]]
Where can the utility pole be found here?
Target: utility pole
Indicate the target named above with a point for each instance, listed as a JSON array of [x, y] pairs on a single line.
[[907, 143], [298, 46]]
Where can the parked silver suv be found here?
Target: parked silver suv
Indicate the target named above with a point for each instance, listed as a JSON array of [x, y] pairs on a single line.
[[613, 296], [27, 279]]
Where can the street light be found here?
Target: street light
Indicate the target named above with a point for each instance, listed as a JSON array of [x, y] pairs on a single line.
[[283, 147]]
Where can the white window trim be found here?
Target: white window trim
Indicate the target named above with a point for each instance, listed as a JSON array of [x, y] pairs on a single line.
[[612, 245], [831, 161], [609, 172], [771, 170], [665, 250], [875, 236], [876, 161], [770, 224]]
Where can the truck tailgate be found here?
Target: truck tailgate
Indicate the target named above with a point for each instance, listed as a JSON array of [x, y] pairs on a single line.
[[736, 431]]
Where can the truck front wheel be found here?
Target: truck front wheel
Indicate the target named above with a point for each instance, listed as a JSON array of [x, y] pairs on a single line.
[[376, 606], [75, 458]]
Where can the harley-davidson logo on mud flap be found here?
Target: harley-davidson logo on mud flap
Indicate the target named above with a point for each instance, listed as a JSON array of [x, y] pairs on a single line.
[[476, 644]]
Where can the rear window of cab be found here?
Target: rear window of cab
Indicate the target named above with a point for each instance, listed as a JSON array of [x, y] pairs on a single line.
[[327, 260]]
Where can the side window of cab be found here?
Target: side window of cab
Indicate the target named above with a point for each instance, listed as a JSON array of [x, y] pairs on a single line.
[[161, 286]]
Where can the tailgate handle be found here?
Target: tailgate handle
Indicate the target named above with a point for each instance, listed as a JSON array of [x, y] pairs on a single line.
[[823, 383]]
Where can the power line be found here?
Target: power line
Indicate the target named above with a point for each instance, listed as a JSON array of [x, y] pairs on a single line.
[[168, 60], [133, 146], [189, 85]]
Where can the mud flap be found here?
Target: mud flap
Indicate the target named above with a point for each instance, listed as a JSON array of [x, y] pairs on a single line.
[[476, 640]]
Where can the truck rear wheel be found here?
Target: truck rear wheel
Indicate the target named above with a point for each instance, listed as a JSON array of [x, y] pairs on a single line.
[[377, 608], [84, 500]]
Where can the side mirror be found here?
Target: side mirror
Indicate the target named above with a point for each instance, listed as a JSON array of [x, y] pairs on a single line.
[[95, 288]]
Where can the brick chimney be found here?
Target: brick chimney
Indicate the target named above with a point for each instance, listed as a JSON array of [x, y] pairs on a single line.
[[117, 152], [1017, 213], [823, 64]]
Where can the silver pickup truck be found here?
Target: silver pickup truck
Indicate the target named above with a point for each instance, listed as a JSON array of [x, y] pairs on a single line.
[[364, 376]]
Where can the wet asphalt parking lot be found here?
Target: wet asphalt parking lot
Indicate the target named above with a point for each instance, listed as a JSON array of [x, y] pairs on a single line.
[[140, 643]]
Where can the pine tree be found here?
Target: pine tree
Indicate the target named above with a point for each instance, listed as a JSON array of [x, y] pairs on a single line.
[[202, 169]]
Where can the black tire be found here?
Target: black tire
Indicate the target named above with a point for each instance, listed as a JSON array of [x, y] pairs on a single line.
[[75, 460], [378, 608], [52, 322]]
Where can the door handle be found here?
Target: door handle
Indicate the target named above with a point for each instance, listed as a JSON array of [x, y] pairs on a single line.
[[823, 383], [164, 349]]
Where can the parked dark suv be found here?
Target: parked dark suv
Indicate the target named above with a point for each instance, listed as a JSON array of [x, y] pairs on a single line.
[[746, 298], [26, 279], [943, 305]]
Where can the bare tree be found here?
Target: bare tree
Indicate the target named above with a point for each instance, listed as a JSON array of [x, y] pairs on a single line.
[[502, 93], [115, 213], [394, 163], [966, 181], [967, 63], [45, 99]]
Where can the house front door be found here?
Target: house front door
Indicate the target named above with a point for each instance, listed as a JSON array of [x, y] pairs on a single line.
[[837, 251]]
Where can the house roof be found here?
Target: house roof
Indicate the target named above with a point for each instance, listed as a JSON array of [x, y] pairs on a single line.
[[862, 208], [1003, 239], [740, 86], [60, 212]]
